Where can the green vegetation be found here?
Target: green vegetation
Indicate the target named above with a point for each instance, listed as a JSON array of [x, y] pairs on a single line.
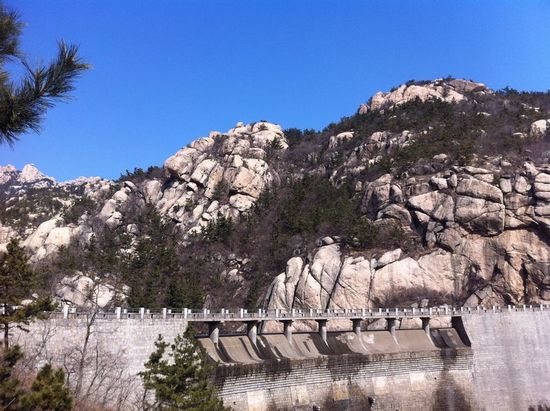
[[180, 378], [219, 230], [23, 105], [139, 175], [47, 392], [17, 283], [81, 206], [33, 207], [221, 191]]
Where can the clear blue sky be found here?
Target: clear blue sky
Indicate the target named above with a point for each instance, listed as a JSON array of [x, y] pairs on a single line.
[[165, 72]]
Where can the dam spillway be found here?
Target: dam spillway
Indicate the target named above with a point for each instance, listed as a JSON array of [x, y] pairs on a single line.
[[345, 369], [482, 359]]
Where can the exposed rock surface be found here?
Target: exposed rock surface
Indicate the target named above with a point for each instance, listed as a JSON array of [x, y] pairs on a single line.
[[481, 227], [452, 91], [474, 233], [83, 291]]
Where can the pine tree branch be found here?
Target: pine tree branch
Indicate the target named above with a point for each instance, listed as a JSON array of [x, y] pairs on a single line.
[[22, 108]]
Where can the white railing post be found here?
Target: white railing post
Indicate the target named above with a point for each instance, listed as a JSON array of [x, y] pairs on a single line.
[[185, 313], [65, 311], [118, 310], [164, 313], [204, 312], [142, 313], [241, 314]]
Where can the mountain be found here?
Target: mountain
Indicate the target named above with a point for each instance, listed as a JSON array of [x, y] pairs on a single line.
[[436, 192]]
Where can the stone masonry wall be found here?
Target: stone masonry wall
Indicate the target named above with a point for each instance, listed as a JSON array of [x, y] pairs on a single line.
[[115, 354], [507, 367], [406, 381], [131, 340]]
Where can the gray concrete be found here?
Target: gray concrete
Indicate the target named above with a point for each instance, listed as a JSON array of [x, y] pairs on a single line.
[[489, 359], [511, 359]]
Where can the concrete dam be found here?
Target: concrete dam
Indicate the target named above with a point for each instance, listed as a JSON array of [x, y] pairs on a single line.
[[438, 359]]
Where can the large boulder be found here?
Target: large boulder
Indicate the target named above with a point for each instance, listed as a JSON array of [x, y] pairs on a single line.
[[539, 128], [479, 215], [436, 204]]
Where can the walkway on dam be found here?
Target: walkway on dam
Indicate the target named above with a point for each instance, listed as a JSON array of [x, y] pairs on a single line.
[[241, 315]]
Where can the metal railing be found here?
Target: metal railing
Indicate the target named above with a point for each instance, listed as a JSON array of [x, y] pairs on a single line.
[[206, 315]]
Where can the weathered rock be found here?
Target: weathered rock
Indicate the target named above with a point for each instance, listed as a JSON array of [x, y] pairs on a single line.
[[241, 202], [407, 93], [338, 139], [478, 215], [539, 128], [202, 171], [438, 183], [521, 185], [479, 189], [389, 257], [397, 212], [436, 204], [83, 291]]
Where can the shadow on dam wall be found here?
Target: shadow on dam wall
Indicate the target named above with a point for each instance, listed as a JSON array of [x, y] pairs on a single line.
[[379, 370], [448, 394]]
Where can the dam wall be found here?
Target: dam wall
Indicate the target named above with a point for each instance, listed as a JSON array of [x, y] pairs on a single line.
[[407, 381], [482, 361], [511, 359], [127, 342]]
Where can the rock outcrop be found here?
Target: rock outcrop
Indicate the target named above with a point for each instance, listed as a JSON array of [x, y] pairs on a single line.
[[483, 235], [480, 225], [449, 91]]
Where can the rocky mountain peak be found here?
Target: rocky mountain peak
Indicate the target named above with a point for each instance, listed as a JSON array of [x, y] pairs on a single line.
[[31, 174], [7, 173], [448, 90], [442, 202]]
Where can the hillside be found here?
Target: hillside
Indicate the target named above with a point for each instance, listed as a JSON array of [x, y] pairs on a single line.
[[436, 192]]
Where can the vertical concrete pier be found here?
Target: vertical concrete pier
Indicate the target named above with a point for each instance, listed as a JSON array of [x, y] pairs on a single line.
[[356, 324], [214, 331], [391, 322], [252, 330], [426, 324], [287, 329], [323, 329]]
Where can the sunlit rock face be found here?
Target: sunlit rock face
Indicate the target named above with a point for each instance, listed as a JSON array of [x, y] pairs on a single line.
[[480, 226], [477, 230], [449, 91]]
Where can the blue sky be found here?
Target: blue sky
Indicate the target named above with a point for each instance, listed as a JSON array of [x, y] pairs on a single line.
[[166, 72]]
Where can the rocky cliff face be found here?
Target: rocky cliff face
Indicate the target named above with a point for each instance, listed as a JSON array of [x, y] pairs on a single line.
[[484, 242], [458, 172]]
